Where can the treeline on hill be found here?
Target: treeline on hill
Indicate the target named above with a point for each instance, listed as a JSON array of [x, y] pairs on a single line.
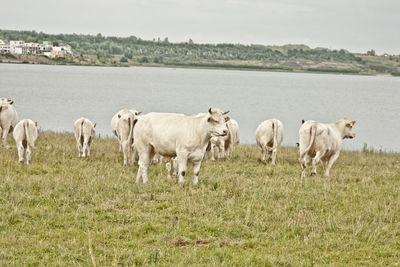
[[131, 50]]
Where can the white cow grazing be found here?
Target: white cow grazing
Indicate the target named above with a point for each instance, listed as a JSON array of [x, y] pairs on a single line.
[[269, 136], [8, 118], [115, 119], [124, 132], [25, 135], [84, 135], [174, 135], [319, 141], [226, 143]]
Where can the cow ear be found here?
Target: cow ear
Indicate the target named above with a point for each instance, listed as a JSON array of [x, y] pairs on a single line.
[[10, 101], [227, 119], [119, 116], [35, 123], [138, 112], [226, 112], [302, 121], [209, 111], [352, 123], [94, 125]]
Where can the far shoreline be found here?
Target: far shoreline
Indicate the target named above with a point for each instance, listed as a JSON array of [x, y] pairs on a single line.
[[200, 66]]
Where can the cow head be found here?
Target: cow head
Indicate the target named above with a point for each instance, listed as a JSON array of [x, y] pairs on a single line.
[[6, 100], [217, 122], [348, 129]]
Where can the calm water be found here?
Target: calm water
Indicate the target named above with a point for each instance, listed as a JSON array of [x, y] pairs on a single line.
[[56, 96]]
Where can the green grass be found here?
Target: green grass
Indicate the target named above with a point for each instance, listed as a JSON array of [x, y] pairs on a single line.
[[66, 211]]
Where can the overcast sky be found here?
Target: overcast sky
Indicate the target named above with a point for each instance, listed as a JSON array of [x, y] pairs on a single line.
[[355, 25]]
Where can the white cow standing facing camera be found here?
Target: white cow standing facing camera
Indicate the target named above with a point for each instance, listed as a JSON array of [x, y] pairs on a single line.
[[176, 135]]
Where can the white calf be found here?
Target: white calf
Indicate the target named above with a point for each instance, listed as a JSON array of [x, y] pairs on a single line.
[[84, 135], [269, 136], [25, 135]]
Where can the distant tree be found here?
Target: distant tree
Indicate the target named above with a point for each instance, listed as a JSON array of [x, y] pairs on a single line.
[[166, 40], [371, 52], [123, 59]]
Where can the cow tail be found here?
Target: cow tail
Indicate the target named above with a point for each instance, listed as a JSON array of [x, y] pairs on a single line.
[[81, 130], [27, 135], [313, 131], [132, 123], [275, 132]]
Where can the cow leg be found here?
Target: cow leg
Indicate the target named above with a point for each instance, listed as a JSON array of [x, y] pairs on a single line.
[[168, 167], [263, 154], [315, 162], [175, 165], [4, 136], [133, 149], [331, 160], [28, 154], [213, 151], [221, 153], [89, 145], [182, 162], [85, 145], [79, 146], [273, 155], [144, 163], [125, 150], [20, 149], [304, 159], [230, 149], [196, 171]]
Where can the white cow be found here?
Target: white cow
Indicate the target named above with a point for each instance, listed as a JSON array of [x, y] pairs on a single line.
[[25, 135], [124, 132], [115, 119], [174, 135], [84, 135], [269, 136], [225, 143], [8, 118], [319, 141]]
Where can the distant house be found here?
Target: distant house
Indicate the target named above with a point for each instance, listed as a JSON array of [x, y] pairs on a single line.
[[18, 47], [4, 47]]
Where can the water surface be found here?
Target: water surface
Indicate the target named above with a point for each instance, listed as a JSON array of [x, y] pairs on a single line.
[[56, 96]]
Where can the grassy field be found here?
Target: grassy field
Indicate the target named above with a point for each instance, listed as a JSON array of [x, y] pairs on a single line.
[[62, 210]]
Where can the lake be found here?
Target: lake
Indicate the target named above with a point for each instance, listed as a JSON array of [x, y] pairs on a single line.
[[55, 96]]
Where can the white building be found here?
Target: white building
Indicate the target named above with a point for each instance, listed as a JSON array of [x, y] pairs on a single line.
[[18, 47], [4, 47]]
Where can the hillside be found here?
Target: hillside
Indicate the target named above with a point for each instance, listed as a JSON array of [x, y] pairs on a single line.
[[125, 51], [63, 210]]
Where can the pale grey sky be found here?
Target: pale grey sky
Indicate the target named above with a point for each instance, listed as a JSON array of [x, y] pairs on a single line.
[[355, 25]]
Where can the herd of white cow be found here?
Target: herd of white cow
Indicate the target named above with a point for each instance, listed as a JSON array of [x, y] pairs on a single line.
[[178, 138]]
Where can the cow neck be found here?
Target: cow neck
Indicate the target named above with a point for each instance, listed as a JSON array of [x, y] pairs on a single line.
[[205, 136], [339, 126]]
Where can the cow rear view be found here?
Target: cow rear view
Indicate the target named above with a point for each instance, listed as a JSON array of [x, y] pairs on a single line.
[[25, 135], [269, 136], [84, 135]]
